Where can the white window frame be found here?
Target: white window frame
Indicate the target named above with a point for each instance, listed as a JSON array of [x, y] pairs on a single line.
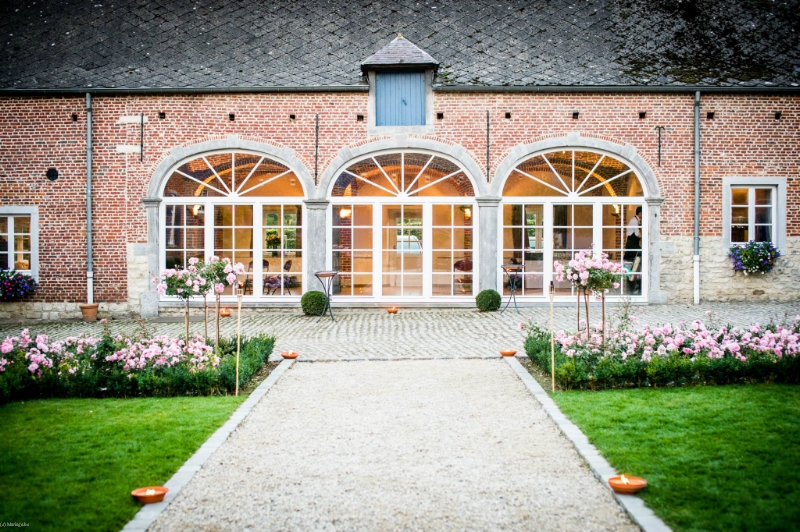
[[33, 212], [778, 184], [257, 202]]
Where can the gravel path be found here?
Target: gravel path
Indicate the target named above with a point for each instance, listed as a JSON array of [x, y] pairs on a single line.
[[396, 445]]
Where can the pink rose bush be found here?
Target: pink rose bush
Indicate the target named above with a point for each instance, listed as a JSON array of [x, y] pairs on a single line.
[[590, 273], [669, 355], [124, 366]]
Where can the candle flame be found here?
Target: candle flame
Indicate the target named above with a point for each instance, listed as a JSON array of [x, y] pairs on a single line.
[[150, 492], [624, 480]]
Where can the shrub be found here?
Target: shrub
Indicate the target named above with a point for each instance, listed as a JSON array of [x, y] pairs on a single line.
[[120, 366], [666, 356], [313, 303], [488, 300], [15, 285]]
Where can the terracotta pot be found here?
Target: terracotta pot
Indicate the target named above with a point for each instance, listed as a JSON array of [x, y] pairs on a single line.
[[508, 352], [89, 311], [633, 484], [150, 494], [392, 310], [289, 354], [224, 312]]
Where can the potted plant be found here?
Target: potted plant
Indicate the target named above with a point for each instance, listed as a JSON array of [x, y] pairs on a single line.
[[754, 257]]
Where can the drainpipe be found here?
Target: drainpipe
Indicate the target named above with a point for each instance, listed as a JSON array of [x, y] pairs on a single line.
[[89, 268], [696, 257]]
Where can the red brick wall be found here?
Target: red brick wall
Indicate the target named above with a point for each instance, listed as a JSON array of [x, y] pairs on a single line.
[[744, 139]]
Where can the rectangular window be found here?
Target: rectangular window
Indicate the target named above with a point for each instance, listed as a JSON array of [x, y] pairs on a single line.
[[352, 249], [400, 99], [15, 242], [752, 215]]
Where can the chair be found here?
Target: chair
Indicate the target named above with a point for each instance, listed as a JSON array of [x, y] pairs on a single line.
[[463, 284], [271, 284], [248, 281]]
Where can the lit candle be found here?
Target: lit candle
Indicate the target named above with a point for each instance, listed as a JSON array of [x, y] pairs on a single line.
[[150, 492], [624, 479]]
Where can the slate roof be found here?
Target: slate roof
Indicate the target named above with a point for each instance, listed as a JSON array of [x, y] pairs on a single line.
[[399, 53], [66, 44]]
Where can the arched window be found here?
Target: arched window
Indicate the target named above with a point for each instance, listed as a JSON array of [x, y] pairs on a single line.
[[243, 206], [558, 203], [402, 226]]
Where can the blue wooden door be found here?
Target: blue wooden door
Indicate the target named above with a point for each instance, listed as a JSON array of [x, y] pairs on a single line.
[[400, 99]]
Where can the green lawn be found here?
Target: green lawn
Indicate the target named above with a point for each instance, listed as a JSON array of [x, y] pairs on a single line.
[[716, 458], [70, 464]]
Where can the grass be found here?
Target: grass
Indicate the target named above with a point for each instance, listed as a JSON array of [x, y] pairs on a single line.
[[716, 458], [70, 464]]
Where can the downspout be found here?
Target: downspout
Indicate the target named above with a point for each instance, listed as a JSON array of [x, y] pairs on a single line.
[[89, 267], [696, 258]]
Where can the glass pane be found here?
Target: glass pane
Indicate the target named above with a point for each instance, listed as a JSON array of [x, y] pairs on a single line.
[[442, 238], [462, 238], [223, 215], [764, 233], [540, 174], [763, 215], [3, 224], [412, 262], [611, 214], [583, 215], [412, 285], [362, 285], [285, 185], [533, 285], [174, 260], [271, 215], [462, 285], [22, 261], [342, 238], [442, 215], [22, 225], [293, 238], [362, 238], [362, 215], [740, 234], [534, 261], [632, 285], [739, 196], [534, 215], [4, 261], [739, 215], [442, 261], [561, 238], [518, 184], [391, 284], [391, 261], [442, 284], [174, 215], [195, 239], [272, 238], [763, 196], [534, 238], [512, 214], [343, 215], [612, 238], [222, 164], [244, 238], [223, 239], [512, 238], [175, 238], [292, 215], [342, 261], [362, 261], [392, 215], [583, 238]]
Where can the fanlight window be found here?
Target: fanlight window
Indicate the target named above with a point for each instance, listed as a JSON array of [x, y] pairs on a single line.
[[403, 174], [573, 173], [232, 174]]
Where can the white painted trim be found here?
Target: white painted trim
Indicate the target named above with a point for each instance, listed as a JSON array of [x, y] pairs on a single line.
[[33, 212], [780, 213]]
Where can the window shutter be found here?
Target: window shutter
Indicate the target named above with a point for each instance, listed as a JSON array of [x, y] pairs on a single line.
[[400, 99]]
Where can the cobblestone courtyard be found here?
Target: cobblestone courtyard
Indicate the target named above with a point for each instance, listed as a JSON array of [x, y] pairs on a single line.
[[412, 333]]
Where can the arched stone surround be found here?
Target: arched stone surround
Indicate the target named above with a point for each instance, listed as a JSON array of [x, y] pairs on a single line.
[[626, 153], [148, 300]]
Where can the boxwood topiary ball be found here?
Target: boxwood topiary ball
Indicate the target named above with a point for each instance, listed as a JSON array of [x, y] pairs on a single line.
[[313, 303], [488, 300]]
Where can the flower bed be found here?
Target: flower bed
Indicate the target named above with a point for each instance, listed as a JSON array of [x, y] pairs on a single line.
[[669, 356], [120, 366]]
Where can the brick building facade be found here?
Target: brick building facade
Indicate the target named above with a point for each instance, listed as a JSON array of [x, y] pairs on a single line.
[[141, 135]]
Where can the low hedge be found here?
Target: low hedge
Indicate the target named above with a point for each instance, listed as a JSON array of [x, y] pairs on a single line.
[[125, 367], [636, 358]]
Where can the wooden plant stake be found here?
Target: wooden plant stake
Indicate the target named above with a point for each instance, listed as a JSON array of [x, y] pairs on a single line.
[[239, 292], [205, 304], [603, 299], [216, 335], [186, 319], [586, 302], [552, 338]]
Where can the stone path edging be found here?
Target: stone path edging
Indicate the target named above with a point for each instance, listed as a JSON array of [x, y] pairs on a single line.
[[150, 512], [634, 506]]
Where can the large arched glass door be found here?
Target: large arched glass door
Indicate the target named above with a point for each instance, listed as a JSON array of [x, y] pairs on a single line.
[[237, 205], [402, 226], [558, 203]]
